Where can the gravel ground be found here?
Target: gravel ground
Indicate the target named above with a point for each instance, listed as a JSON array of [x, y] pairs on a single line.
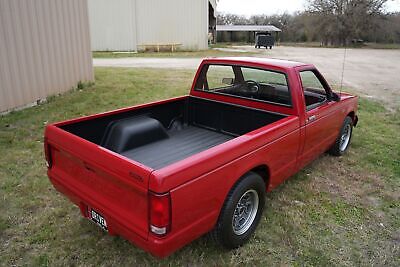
[[374, 73], [370, 72]]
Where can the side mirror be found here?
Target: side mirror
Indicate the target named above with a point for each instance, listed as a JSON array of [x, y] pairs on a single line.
[[335, 97], [228, 81]]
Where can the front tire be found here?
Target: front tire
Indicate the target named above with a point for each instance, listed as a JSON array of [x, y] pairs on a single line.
[[241, 212], [343, 140]]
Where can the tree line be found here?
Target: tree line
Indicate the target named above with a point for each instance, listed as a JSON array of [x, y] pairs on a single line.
[[330, 22]]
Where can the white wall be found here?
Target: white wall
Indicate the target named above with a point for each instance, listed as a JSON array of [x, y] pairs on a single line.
[[112, 25], [44, 49], [126, 24], [173, 21]]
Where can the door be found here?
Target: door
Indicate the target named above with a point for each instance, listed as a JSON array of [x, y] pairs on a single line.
[[321, 123]]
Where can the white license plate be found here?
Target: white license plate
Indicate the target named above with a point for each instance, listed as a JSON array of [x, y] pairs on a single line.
[[98, 219]]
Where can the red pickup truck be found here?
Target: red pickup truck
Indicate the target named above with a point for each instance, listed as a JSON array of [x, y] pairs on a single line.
[[163, 174]]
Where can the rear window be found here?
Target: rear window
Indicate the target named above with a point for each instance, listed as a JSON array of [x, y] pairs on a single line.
[[245, 82]]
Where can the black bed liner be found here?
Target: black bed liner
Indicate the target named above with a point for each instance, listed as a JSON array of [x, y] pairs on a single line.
[[162, 134], [181, 144]]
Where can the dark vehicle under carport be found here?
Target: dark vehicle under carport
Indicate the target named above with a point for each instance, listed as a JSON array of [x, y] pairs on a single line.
[[264, 39]]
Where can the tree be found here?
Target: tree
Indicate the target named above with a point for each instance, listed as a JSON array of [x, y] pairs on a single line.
[[231, 19], [331, 22], [340, 21]]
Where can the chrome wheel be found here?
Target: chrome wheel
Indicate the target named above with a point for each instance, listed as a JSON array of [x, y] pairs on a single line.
[[245, 212], [345, 138]]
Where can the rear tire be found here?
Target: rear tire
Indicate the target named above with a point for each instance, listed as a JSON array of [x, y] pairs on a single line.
[[241, 212], [343, 140]]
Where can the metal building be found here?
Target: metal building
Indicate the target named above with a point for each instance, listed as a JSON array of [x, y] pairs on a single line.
[[131, 25], [44, 49]]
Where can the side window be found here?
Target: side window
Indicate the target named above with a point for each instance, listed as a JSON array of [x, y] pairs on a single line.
[[314, 91], [219, 76]]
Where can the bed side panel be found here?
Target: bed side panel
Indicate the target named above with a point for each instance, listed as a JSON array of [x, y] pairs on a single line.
[[197, 203]]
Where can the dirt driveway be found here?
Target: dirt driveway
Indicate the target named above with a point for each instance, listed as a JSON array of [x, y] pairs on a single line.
[[373, 73]]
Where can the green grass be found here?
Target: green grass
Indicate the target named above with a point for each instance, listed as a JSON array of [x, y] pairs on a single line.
[[337, 211], [179, 54], [217, 53], [229, 44]]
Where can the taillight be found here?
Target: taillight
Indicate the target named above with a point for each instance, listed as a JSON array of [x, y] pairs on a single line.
[[160, 213], [47, 153]]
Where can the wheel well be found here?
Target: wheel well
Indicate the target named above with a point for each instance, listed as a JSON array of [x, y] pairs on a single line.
[[353, 116], [263, 171]]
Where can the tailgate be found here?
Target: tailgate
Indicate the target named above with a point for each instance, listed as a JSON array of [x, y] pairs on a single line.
[[94, 177]]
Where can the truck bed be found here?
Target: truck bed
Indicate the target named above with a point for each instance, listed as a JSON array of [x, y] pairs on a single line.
[[159, 135], [180, 144]]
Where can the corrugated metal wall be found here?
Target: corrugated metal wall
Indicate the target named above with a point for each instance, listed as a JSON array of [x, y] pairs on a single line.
[[112, 25], [173, 21], [44, 49], [127, 24]]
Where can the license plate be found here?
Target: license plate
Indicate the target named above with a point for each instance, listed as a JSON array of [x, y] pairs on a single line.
[[98, 219]]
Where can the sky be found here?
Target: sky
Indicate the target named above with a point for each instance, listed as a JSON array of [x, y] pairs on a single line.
[[254, 7]]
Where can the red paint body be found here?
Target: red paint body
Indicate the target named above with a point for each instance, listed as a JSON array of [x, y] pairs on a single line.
[[117, 187]]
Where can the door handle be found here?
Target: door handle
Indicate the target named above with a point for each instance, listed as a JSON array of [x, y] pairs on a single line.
[[311, 118]]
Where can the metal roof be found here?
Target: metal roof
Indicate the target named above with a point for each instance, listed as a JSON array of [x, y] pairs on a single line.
[[247, 28]]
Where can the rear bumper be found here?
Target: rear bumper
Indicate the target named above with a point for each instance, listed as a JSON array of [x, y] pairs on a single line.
[[159, 247]]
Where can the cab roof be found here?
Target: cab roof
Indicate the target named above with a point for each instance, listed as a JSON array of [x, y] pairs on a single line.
[[271, 62]]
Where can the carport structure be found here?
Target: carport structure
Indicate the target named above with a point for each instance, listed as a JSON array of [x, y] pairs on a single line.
[[234, 33]]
